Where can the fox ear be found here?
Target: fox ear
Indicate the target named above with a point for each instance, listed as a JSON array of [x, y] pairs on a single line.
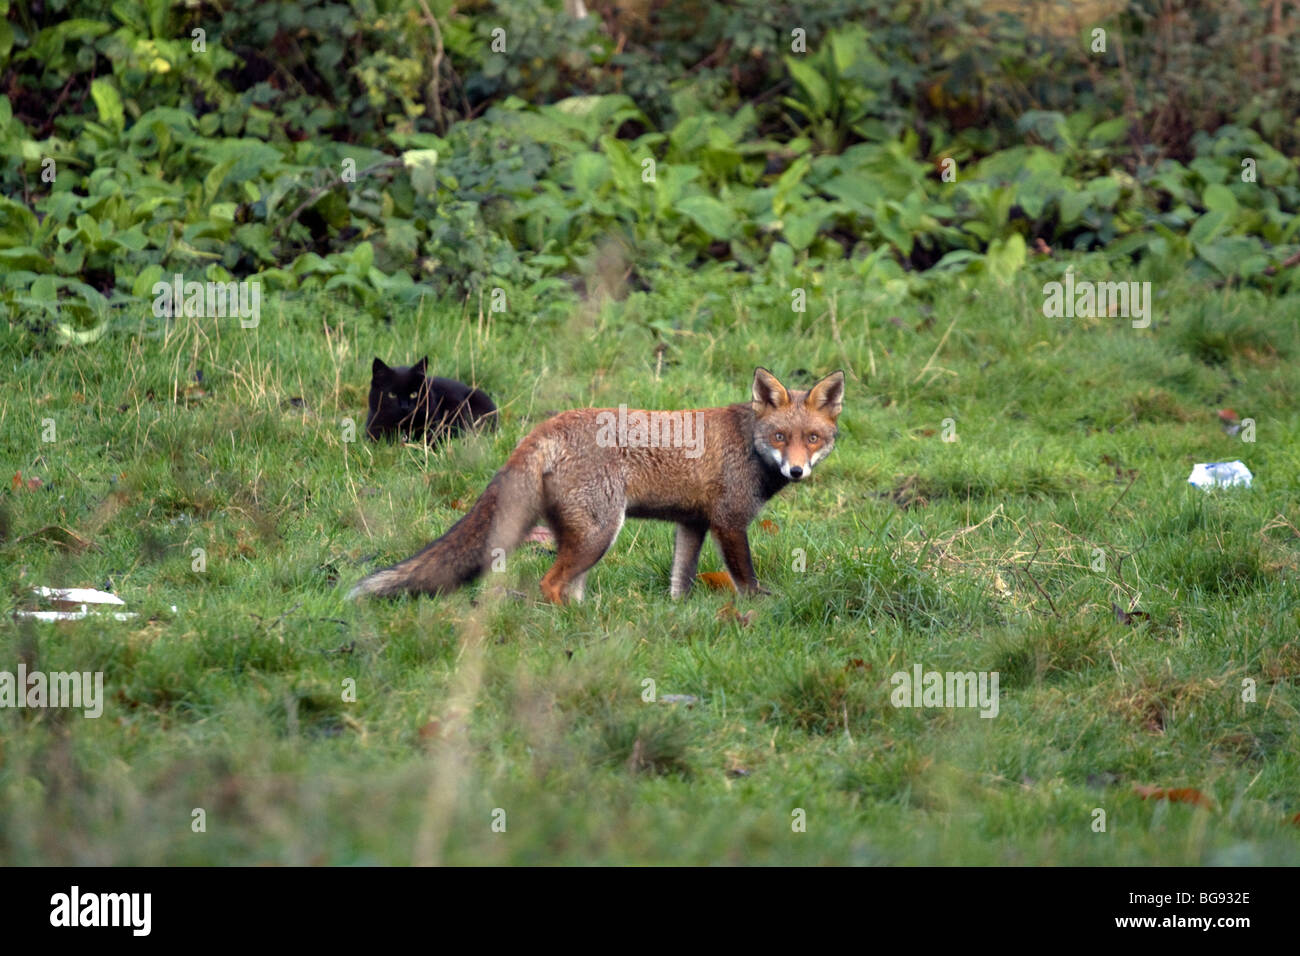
[[421, 365], [768, 392], [827, 395], [378, 369]]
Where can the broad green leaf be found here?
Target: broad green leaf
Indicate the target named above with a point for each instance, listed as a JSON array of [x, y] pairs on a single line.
[[709, 214], [624, 166], [1005, 257], [887, 221], [309, 263], [801, 228], [671, 182], [792, 176], [149, 276], [1047, 125], [1208, 226], [158, 10], [256, 237], [70, 335], [363, 257], [24, 257], [1073, 205], [1109, 132], [1234, 255], [348, 281], [590, 172], [1103, 192], [858, 190], [215, 178], [70, 260], [1220, 197], [108, 103], [959, 260], [243, 158], [781, 258], [806, 75], [847, 47], [17, 222], [423, 167]]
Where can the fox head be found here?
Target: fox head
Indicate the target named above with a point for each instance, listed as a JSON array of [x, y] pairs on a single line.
[[795, 430]]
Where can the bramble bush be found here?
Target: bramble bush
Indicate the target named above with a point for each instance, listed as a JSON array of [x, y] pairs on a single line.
[[402, 148]]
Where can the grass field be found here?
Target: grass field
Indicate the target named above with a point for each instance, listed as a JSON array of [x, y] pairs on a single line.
[[1064, 493]]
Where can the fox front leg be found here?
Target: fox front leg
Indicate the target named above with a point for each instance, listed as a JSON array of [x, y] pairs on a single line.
[[735, 552], [686, 557]]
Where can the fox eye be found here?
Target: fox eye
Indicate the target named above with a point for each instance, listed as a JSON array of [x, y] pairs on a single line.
[[780, 436], [813, 439]]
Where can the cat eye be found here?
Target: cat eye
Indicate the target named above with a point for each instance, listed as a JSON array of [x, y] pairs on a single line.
[[413, 396]]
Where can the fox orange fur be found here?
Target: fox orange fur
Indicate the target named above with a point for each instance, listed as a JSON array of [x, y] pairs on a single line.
[[584, 471]]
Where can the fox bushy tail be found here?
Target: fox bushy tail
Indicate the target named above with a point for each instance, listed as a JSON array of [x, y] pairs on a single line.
[[499, 519]]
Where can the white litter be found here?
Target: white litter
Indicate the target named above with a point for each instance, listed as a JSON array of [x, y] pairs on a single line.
[[78, 595], [1221, 474], [75, 602], [69, 615]]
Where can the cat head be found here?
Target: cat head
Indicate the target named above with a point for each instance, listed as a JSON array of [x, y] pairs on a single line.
[[396, 397]]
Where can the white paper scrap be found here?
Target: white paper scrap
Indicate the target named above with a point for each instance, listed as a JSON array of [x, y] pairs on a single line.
[[1221, 474]]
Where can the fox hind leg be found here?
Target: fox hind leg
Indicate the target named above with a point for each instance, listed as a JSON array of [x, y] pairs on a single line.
[[567, 578], [583, 533]]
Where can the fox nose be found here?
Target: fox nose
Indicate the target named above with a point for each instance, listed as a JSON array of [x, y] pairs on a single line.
[[796, 471]]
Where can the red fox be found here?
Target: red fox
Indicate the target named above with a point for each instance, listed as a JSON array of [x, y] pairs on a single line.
[[584, 471]]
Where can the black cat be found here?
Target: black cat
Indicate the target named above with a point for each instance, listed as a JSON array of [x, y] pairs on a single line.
[[404, 403]]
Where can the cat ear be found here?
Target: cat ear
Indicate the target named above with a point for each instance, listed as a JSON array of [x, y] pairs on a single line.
[[421, 365], [379, 369]]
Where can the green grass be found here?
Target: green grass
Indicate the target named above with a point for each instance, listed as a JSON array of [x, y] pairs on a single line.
[[978, 554]]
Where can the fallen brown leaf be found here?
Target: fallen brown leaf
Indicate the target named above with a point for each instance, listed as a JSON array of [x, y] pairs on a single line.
[[718, 580], [728, 612], [1174, 795], [193, 393]]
